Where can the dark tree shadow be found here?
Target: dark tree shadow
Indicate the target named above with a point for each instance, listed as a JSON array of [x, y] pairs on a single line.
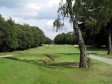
[[76, 53], [64, 64]]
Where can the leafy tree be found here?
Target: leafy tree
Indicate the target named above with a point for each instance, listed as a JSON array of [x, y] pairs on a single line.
[[28, 35], [21, 37], [36, 37], [12, 37], [75, 10], [93, 13], [65, 38], [41, 36], [9, 40], [2, 24], [48, 40], [100, 15], [70, 38], [15, 36], [60, 39], [24, 37]]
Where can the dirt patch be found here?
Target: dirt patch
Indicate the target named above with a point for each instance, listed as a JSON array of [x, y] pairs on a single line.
[[51, 57]]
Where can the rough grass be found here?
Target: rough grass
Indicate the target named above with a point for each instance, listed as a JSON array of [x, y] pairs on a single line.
[[27, 68], [2, 54]]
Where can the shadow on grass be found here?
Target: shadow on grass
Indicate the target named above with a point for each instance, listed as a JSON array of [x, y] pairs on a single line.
[[12, 58], [92, 49], [36, 62], [47, 63], [50, 64], [64, 64], [76, 53], [69, 53]]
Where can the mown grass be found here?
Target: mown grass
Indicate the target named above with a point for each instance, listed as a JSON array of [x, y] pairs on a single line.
[[105, 55], [102, 52], [94, 50], [27, 69]]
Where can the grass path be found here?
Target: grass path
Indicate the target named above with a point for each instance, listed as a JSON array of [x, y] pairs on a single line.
[[102, 59]]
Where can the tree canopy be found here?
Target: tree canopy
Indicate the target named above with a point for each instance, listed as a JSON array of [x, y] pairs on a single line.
[[14, 36], [65, 38], [94, 14]]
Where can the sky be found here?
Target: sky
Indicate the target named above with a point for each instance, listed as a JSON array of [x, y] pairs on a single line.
[[40, 13]]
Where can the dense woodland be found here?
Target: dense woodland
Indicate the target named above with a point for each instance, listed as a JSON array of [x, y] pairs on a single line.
[[19, 37]]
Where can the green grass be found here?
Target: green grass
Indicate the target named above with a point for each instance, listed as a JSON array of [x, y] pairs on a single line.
[[26, 69], [93, 50], [2, 54], [102, 52], [105, 55]]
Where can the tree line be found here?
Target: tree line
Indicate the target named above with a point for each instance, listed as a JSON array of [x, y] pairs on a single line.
[[65, 38], [15, 36], [98, 40]]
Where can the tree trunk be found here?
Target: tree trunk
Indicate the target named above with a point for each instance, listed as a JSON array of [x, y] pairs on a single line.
[[109, 42], [82, 47]]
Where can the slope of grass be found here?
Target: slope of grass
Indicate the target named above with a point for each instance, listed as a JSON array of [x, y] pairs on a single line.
[[63, 70], [15, 72]]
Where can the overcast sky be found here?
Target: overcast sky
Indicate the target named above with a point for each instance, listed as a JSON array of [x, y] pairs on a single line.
[[39, 13]]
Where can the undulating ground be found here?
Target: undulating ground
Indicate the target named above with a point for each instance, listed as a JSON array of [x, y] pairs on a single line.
[[53, 64]]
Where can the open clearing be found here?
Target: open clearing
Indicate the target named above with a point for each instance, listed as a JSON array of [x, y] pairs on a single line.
[[53, 64]]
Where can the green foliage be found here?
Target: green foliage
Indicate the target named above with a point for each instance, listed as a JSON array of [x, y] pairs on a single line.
[[10, 39], [2, 24], [48, 40], [41, 36], [97, 40], [94, 14], [58, 24], [89, 61], [15, 36], [71, 38], [60, 39], [68, 38], [98, 14]]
